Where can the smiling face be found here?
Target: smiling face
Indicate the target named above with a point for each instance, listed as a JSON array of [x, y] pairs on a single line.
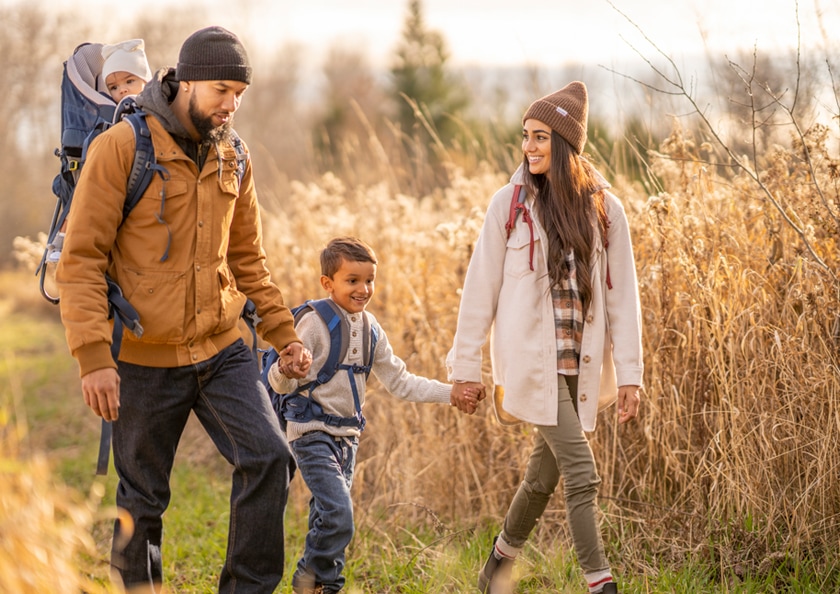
[[123, 83], [536, 144], [212, 104], [352, 285]]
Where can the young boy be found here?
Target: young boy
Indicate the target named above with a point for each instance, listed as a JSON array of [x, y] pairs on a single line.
[[125, 70], [326, 453]]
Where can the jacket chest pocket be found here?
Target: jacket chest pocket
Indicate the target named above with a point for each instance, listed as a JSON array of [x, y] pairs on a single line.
[[229, 175], [521, 253]]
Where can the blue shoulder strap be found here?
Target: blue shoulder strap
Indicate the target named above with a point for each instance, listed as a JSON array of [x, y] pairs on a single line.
[[332, 317], [370, 339], [143, 169], [241, 156]]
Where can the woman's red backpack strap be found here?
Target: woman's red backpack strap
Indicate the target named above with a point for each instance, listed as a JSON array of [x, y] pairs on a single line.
[[517, 205]]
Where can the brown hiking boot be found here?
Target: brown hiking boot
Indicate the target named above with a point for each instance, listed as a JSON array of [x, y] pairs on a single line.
[[495, 576]]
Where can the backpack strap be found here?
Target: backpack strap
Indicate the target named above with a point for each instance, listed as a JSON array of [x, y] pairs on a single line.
[[252, 318], [123, 314], [144, 168], [517, 205], [369, 340], [241, 156], [297, 407]]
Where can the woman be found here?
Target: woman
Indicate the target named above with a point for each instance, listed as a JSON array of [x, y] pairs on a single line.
[[555, 280]]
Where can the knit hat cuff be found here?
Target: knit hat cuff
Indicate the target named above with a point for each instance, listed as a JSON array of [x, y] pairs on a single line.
[[213, 53], [544, 111], [126, 56], [564, 111], [560, 121], [215, 72]]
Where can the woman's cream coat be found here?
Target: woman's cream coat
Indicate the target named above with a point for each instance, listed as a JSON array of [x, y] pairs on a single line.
[[503, 297]]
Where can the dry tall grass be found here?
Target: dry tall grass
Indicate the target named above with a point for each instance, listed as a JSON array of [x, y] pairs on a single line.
[[45, 527], [734, 459]]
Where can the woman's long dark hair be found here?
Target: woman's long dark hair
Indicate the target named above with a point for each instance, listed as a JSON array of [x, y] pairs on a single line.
[[570, 207]]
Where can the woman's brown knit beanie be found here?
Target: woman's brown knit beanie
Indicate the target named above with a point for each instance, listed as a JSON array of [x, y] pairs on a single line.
[[565, 111]]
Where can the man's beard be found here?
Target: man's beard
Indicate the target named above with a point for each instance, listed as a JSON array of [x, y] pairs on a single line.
[[204, 124]]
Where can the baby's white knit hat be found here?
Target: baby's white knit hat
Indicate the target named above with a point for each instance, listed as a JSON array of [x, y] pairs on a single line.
[[126, 56]]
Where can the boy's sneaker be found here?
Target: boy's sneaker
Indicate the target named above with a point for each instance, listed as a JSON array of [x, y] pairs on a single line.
[[303, 583], [494, 577], [609, 588], [306, 584]]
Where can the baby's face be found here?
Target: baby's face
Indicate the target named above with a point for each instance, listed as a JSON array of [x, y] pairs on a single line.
[[123, 83]]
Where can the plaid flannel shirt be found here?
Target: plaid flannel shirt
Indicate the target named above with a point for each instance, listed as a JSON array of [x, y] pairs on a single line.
[[568, 319]]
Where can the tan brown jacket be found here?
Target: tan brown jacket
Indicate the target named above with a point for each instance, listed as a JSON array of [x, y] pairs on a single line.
[[208, 227]]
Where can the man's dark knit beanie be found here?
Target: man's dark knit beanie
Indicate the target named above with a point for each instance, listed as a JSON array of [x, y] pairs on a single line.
[[213, 53]]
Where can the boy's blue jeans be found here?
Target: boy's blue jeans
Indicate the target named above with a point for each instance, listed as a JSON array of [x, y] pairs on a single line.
[[226, 396], [326, 464]]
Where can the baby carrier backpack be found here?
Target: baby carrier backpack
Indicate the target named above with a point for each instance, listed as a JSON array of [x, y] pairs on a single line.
[[87, 110], [298, 405]]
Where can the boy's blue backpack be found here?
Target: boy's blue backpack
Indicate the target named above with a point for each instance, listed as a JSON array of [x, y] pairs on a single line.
[[87, 110], [298, 406]]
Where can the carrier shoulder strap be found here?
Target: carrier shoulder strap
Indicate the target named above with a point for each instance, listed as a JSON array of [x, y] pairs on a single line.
[[241, 156], [145, 164]]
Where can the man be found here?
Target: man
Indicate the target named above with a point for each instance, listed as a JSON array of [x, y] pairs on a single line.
[[185, 257]]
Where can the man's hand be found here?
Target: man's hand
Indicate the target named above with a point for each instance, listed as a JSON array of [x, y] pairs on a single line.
[[628, 403], [295, 360], [101, 389], [467, 395]]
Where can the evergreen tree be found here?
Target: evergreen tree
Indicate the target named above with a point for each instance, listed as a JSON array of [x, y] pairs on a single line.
[[429, 100]]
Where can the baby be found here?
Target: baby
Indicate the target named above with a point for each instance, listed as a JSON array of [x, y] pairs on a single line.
[[125, 70]]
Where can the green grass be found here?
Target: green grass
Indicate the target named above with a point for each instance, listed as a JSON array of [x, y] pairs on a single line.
[[39, 385]]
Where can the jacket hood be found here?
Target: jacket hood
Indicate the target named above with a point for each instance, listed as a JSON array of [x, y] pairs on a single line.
[[156, 99]]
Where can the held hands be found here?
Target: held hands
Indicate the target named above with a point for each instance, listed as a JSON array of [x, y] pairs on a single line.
[[101, 389], [628, 403], [295, 360], [467, 395]]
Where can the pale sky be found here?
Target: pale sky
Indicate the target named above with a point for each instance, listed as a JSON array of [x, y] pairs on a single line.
[[551, 32], [512, 32]]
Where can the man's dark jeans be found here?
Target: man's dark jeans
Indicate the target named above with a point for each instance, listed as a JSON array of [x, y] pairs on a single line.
[[232, 405]]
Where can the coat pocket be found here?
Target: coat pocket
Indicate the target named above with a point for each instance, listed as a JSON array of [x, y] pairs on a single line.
[[521, 252], [160, 299]]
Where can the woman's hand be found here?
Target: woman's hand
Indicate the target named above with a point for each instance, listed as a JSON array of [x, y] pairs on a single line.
[[467, 395], [628, 403]]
